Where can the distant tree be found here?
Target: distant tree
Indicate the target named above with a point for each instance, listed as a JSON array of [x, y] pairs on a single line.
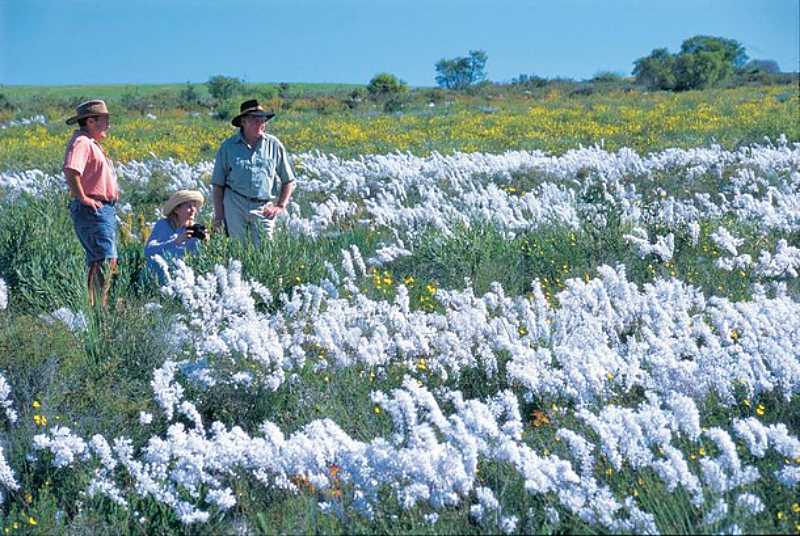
[[700, 70], [656, 71], [703, 61], [133, 101], [5, 104], [384, 85], [283, 90], [529, 80], [355, 98], [762, 66], [393, 104], [189, 96], [224, 87], [607, 76], [732, 52], [462, 72]]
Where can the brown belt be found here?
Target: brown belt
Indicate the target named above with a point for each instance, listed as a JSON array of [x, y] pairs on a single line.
[[104, 201], [251, 199]]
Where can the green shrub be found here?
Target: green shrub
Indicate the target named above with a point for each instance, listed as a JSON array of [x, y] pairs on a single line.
[[385, 85]]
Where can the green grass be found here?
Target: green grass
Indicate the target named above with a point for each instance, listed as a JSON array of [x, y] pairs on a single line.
[[98, 380]]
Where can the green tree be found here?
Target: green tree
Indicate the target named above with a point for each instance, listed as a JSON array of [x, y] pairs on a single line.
[[224, 87], [656, 71], [384, 85], [703, 61], [700, 70], [462, 72], [189, 96], [732, 52]]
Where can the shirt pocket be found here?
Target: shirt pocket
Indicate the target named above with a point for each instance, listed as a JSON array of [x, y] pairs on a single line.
[[264, 166], [241, 162]]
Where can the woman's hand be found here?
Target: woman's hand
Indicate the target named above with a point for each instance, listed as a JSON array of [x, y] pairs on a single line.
[[183, 237]]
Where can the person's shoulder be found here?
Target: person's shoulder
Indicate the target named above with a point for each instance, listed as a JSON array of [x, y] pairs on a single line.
[[269, 138], [233, 138], [162, 225], [79, 138]]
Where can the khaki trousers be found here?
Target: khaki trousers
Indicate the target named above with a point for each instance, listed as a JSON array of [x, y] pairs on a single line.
[[240, 223]]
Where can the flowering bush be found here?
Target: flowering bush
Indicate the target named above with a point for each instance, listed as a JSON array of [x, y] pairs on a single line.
[[645, 371]]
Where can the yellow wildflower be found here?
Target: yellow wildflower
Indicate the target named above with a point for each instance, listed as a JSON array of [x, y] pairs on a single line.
[[36, 404], [760, 410], [540, 418]]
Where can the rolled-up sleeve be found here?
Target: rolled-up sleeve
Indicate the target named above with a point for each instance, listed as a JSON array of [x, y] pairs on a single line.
[[77, 155], [220, 174]]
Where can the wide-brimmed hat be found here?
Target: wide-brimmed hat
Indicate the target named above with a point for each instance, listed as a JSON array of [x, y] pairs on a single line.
[[92, 108], [181, 196], [251, 107]]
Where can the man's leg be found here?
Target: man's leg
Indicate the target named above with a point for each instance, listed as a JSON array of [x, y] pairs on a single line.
[[99, 280], [91, 281]]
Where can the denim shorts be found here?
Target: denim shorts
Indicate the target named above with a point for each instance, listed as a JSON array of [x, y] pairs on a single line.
[[96, 229]]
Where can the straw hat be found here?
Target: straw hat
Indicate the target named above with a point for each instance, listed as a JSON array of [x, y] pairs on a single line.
[[251, 107], [182, 196], [92, 108]]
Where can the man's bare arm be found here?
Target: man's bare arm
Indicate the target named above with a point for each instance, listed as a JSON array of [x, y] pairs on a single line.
[[75, 188], [219, 209]]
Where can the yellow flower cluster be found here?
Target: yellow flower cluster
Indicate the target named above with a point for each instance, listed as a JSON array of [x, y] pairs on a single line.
[[643, 121]]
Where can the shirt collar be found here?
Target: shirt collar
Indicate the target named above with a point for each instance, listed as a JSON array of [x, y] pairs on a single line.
[[240, 138], [81, 132]]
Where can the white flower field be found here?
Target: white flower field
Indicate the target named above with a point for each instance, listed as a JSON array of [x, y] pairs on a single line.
[[515, 343]]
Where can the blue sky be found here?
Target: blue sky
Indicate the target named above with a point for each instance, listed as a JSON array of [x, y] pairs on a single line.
[[161, 41]]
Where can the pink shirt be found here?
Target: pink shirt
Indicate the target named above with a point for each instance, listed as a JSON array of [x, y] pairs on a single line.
[[86, 157]]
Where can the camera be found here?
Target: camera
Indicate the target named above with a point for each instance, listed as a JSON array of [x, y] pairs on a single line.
[[198, 231]]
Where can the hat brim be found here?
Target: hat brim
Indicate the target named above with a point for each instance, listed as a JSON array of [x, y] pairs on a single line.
[[180, 198], [75, 118], [237, 121]]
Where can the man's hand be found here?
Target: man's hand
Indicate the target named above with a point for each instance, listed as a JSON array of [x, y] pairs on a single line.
[[270, 210], [91, 203]]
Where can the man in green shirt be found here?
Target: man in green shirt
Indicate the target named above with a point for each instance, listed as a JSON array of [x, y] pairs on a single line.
[[251, 171]]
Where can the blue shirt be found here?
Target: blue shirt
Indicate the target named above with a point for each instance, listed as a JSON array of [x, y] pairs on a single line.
[[258, 172], [162, 242]]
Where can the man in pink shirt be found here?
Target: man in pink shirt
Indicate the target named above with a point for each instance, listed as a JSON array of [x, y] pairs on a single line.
[[93, 184]]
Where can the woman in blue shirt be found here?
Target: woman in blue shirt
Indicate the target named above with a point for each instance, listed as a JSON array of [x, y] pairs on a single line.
[[176, 233]]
